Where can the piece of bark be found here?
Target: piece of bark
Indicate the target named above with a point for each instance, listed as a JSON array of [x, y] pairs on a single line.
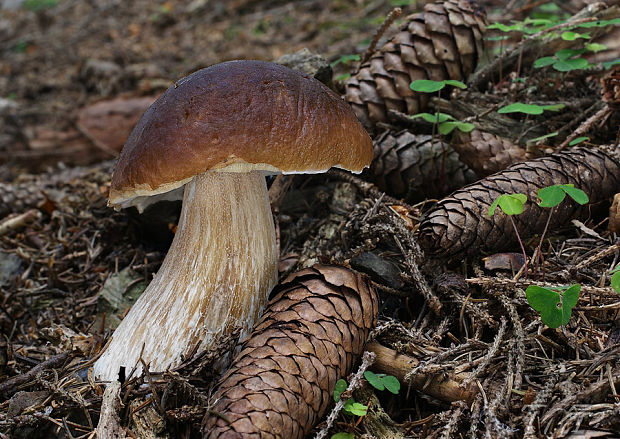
[[283, 379], [459, 225]]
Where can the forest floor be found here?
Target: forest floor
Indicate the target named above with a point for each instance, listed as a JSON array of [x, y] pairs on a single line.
[[74, 78]]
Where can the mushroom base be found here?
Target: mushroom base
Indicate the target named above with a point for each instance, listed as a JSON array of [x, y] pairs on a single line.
[[217, 276]]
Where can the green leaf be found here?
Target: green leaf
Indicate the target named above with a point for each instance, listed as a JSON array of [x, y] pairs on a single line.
[[571, 64], [568, 53], [355, 408], [343, 77], [545, 302], [546, 136], [465, 127], [455, 83], [576, 194], [595, 47], [427, 85], [554, 107], [519, 107], [615, 281], [511, 204], [505, 28], [341, 386], [554, 309], [610, 64], [391, 383], [343, 436], [551, 196], [572, 36], [498, 38], [569, 300], [374, 380], [599, 23], [433, 118], [345, 59], [544, 61], [447, 127], [578, 140]]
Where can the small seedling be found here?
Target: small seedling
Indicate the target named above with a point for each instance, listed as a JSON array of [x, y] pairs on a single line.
[[511, 204], [564, 60], [381, 381], [350, 406], [445, 123], [555, 305], [551, 196]]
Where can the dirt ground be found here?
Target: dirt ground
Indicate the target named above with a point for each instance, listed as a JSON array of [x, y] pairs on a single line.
[[74, 78]]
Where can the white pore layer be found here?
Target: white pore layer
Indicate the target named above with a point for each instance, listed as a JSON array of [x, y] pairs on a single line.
[[217, 275]]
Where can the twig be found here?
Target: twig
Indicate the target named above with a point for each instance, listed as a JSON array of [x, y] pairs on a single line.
[[55, 361], [18, 221], [391, 17], [367, 359], [585, 126]]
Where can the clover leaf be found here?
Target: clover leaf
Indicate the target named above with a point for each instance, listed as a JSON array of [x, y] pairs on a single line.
[[555, 308]]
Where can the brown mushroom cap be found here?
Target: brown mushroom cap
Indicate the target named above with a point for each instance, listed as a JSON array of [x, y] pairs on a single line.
[[239, 115]]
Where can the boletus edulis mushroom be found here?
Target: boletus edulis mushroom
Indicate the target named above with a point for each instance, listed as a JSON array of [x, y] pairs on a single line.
[[218, 131]]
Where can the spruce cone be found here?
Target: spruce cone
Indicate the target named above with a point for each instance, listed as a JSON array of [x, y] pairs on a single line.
[[282, 380], [443, 42], [487, 153], [459, 224], [413, 167]]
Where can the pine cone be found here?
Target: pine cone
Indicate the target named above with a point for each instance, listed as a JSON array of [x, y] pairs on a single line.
[[487, 153], [443, 42], [282, 380], [459, 224], [413, 167]]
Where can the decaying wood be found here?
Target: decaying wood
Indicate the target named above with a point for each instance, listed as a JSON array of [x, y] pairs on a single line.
[[459, 224], [446, 387], [282, 381]]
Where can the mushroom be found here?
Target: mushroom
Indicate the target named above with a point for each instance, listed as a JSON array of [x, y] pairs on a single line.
[[218, 131]]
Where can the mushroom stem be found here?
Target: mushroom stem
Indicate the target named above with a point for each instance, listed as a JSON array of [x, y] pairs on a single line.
[[217, 275]]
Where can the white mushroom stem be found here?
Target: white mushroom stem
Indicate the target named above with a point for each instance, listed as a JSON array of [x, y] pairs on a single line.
[[217, 275]]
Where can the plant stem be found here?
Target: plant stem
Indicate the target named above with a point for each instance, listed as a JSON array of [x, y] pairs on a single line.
[[539, 255], [520, 243]]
